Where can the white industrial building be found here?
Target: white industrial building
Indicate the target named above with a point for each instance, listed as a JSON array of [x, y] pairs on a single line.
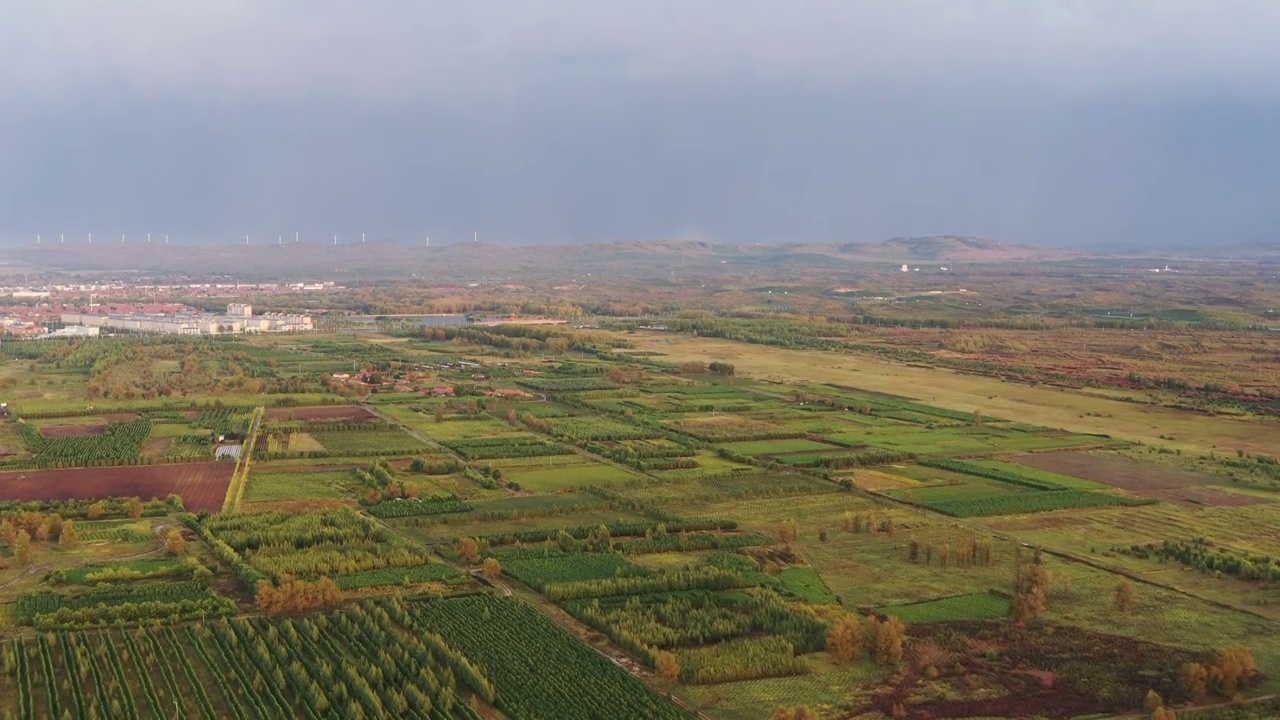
[[238, 319]]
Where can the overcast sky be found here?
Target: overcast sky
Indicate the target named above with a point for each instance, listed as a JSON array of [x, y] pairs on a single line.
[[1052, 122]]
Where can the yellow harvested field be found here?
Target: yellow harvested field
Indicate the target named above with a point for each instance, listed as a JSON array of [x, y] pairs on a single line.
[[1040, 405]]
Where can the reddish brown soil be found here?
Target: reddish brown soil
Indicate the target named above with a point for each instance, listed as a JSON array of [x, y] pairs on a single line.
[[54, 432], [263, 468], [119, 417], [320, 414], [1205, 496], [1125, 474], [202, 486]]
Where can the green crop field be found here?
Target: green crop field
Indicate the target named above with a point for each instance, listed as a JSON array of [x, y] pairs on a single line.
[[266, 486], [978, 606], [365, 441]]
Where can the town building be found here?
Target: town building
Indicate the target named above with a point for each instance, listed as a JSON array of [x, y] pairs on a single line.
[[238, 319]]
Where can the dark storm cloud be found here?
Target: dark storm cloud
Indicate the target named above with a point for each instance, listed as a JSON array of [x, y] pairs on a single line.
[[738, 120]]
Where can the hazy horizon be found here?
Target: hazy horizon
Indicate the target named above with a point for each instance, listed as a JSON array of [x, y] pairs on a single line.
[[1060, 123]]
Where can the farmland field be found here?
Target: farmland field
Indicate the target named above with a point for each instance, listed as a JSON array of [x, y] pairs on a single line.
[[661, 526], [267, 486], [201, 486], [320, 414], [364, 441]]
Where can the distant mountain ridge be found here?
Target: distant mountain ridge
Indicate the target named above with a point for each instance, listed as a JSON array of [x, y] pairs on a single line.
[[387, 259]]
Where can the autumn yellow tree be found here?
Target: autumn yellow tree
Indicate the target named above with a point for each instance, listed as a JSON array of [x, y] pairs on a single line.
[[889, 639], [844, 639], [1231, 667], [174, 543], [69, 535], [22, 548], [1124, 596], [295, 595], [469, 550], [492, 568], [788, 531], [1152, 701], [666, 665], [1194, 680], [135, 507]]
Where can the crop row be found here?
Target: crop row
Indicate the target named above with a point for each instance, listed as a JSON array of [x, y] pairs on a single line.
[[433, 505], [359, 663], [564, 679], [119, 444], [1029, 502], [114, 604]]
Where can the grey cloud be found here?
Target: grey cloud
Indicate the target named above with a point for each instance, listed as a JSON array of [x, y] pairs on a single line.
[[738, 120], [393, 48]]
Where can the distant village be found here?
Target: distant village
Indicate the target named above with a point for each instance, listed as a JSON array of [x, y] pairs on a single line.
[[59, 311], [156, 319]]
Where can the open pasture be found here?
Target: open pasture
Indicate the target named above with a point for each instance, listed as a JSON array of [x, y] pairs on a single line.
[[202, 486]]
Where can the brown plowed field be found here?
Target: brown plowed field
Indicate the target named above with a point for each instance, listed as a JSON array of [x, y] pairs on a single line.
[[53, 432], [320, 414], [202, 486], [1205, 496], [1125, 474]]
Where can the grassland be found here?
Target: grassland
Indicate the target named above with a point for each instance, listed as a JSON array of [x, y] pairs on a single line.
[[1039, 405]]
